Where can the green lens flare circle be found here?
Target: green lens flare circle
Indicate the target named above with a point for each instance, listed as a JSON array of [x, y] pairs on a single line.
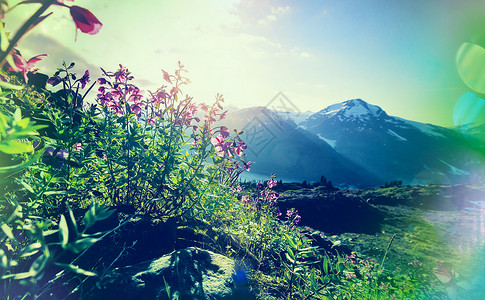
[[469, 111], [470, 61]]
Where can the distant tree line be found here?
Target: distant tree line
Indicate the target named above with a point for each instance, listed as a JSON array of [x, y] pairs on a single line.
[[393, 183]]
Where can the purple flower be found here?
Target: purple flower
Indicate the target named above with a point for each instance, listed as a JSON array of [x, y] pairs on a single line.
[[49, 151], [220, 144], [62, 154], [53, 158], [85, 79], [121, 75], [102, 81], [259, 184], [278, 213], [166, 76], [271, 183], [245, 199], [54, 80]]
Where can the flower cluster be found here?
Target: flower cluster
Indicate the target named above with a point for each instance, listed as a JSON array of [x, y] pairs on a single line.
[[293, 216], [237, 189], [55, 158], [66, 80], [226, 147], [119, 95]]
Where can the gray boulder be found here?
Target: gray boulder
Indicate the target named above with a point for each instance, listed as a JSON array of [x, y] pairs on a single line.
[[190, 273]]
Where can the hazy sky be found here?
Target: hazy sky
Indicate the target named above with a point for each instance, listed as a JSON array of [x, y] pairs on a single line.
[[399, 55]]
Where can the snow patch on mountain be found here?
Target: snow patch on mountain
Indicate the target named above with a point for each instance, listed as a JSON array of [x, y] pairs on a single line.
[[355, 108], [332, 143], [454, 170], [424, 128], [391, 132]]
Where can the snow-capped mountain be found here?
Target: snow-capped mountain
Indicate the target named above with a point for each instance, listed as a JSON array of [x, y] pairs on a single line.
[[394, 148], [277, 145]]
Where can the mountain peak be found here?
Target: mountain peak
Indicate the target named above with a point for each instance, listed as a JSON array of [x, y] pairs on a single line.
[[354, 108]]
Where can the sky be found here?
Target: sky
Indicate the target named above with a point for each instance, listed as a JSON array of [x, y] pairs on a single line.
[[399, 55]]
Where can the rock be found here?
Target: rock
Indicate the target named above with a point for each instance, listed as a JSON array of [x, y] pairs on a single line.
[[190, 273]]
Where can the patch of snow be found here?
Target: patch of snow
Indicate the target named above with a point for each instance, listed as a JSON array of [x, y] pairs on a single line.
[[427, 129], [396, 135], [356, 111], [332, 109], [351, 108], [455, 170], [332, 143]]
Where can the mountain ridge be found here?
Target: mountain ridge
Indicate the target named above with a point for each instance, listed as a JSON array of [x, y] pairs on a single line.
[[354, 139]]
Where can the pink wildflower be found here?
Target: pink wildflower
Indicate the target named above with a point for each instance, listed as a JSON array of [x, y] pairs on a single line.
[[84, 20], [23, 66]]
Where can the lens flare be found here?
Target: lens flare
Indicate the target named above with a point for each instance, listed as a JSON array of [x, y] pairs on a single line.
[[470, 61], [469, 111]]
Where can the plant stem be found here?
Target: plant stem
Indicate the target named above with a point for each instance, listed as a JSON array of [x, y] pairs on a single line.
[[387, 250], [25, 27]]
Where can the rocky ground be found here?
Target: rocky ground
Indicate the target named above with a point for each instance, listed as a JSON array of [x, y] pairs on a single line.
[[429, 223]]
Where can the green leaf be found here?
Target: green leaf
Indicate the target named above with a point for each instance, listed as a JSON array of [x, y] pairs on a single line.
[[340, 267], [28, 187], [3, 259], [63, 232], [73, 220], [291, 242], [325, 264], [3, 125], [312, 278], [76, 269], [89, 218], [17, 115], [290, 253], [103, 213], [10, 86], [287, 275], [31, 249], [68, 192], [22, 165], [7, 230], [23, 123], [292, 260], [38, 265], [18, 276], [50, 232], [82, 244], [15, 147]]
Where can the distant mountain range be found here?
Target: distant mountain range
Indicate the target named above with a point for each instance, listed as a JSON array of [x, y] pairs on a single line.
[[354, 143]]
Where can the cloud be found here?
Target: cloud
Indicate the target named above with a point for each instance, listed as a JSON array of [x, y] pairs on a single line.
[[280, 10], [275, 11], [296, 51], [267, 20]]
